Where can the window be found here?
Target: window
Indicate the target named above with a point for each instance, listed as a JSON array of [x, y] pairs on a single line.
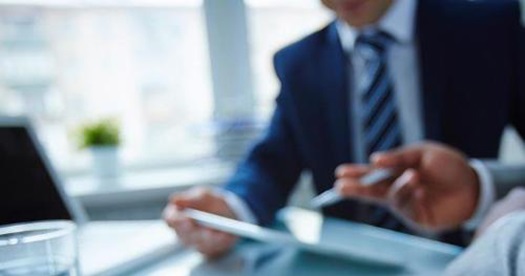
[[147, 64], [148, 67], [272, 25]]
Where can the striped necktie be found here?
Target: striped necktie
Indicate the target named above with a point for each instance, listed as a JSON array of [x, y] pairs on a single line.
[[380, 119], [381, 128]]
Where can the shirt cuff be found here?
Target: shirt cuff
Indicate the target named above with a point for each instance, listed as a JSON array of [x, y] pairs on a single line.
[[486, 197], [238, 206]]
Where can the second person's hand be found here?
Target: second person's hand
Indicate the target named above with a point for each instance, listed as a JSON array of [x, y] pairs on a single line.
[[209, 242]]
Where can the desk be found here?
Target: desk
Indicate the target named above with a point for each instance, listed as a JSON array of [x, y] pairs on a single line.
[[420, 256]]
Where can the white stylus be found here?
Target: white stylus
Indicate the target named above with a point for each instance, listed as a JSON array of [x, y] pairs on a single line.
[[332, 196]]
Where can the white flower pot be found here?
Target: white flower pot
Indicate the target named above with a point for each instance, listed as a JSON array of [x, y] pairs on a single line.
[[105, 161]]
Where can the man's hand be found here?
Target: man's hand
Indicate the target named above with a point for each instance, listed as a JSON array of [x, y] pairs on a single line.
[[437, 189], [209, 242]]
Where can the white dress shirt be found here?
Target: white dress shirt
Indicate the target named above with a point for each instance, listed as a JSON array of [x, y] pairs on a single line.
[[403, 65]]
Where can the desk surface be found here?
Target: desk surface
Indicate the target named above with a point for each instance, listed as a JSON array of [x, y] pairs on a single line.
[[420, 256]]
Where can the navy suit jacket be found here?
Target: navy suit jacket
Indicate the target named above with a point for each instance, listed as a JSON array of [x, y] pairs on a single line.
[[471, 55]]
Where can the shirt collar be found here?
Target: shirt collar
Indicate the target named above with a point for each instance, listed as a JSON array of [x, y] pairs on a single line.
[[398, 21]]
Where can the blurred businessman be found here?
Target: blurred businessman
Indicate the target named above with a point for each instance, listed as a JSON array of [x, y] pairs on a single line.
[[384, 74]]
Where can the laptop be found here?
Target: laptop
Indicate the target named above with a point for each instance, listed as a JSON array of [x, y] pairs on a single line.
[[32, 191]]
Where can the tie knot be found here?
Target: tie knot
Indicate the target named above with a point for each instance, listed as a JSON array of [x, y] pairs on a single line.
[[379, 41]]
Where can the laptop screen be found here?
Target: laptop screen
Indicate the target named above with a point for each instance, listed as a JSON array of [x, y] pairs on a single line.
[[28, 192]]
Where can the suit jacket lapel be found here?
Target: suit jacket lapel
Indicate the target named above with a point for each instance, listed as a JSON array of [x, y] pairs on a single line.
[[433, 54], [333, 77]]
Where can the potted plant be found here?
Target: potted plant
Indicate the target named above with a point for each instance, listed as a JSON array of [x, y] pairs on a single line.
[[102, 138]]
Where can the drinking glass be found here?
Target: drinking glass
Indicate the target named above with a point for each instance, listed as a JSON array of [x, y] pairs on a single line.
[[46, 248]]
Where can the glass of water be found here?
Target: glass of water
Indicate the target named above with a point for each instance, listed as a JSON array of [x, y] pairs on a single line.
[[38, 249]]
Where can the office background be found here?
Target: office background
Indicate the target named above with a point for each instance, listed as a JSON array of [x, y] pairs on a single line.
[[190, 82]]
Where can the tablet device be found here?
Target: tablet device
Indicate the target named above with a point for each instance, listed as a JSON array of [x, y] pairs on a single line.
[[262, 234]]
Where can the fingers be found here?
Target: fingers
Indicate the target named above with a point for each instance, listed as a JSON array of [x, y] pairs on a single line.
[[352, 170], [422, 215], [195, 198], [173, 214], [182, 225], [407, 157], [348, 187], [213, 243], [403, 189], [169, 214], [348, 183], [209, 242], [407, 198]]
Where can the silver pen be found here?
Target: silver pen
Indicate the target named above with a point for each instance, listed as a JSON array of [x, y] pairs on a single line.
[[332, 196]]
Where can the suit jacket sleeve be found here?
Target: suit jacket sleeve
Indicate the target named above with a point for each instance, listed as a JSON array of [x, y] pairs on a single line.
[[507, 177], [518, 102], [266, 177]]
